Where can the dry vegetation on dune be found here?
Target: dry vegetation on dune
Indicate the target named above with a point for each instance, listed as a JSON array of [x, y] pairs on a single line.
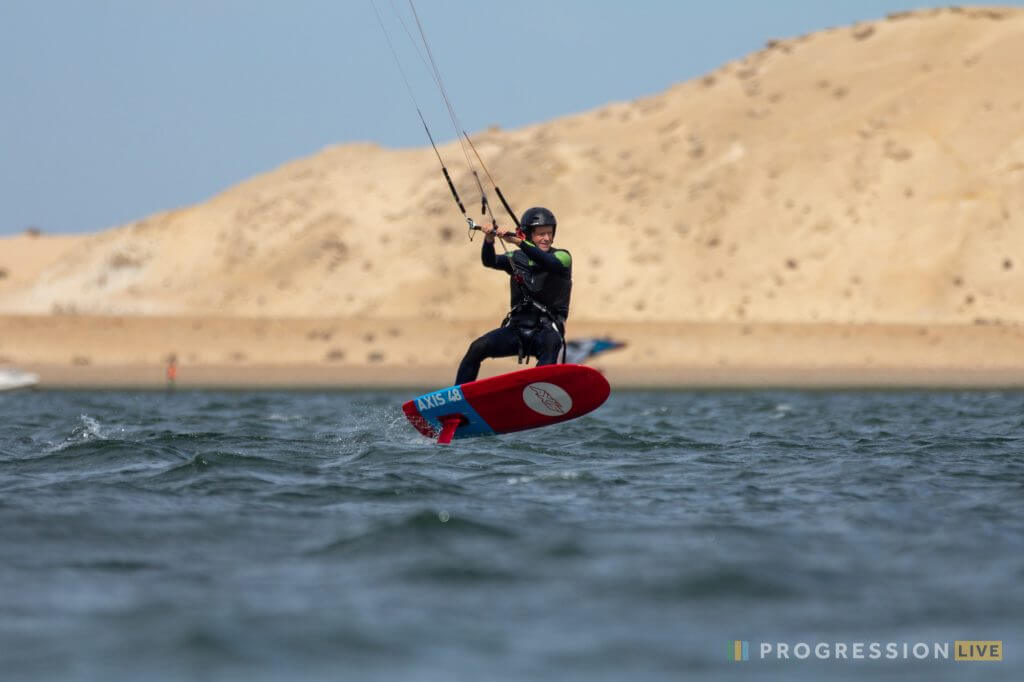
[[870, 173]]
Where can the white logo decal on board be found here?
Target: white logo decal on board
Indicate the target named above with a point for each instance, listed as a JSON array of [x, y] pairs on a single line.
[[547, 399]]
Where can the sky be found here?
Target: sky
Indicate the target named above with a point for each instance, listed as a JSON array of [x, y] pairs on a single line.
[[111, 110]]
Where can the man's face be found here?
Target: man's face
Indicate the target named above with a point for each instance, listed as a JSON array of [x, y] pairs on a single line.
[[543, 235]]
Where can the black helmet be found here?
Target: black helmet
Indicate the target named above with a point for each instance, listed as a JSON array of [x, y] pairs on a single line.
[[536, 217]]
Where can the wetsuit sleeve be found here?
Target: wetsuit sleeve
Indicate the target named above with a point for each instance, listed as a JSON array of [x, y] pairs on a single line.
[[490, 260], [552, 261]]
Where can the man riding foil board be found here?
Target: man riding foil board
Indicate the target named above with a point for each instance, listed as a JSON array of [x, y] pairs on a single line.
[[540, 278], [541, 284]]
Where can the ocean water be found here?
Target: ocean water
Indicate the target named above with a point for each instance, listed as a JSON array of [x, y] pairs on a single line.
[[316, 536]]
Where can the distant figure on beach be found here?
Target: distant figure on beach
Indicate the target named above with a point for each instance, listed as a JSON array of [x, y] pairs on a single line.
[[172, 371], [540, 277]]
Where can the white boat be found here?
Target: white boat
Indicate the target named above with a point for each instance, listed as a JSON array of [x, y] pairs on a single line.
[[11, 379]]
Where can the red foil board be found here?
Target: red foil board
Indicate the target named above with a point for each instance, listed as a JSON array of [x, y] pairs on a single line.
[[510, 402]]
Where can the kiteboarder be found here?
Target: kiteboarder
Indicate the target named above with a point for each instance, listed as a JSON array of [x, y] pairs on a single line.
[[541, 284]]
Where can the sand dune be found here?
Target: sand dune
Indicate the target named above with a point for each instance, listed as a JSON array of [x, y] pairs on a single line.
[[868, 174]]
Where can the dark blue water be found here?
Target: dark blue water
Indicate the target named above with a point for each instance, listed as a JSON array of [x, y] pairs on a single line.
[[317, 536]]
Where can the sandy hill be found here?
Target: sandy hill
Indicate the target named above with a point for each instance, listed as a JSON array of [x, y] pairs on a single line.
[[866, 173]]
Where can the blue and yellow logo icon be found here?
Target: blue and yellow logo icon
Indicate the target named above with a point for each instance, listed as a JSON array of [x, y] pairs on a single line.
[[740, 650]]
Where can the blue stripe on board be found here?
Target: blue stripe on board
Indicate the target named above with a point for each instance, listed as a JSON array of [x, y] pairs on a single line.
[[450, 400]]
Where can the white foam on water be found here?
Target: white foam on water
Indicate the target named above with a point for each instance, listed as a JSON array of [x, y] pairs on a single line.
[[781, 410], [276, 417], [90, 427]]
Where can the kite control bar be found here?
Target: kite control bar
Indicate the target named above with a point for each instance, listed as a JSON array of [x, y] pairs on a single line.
[[473, 226]]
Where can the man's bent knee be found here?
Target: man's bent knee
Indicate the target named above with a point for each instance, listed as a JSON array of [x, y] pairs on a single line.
[[479, 349]]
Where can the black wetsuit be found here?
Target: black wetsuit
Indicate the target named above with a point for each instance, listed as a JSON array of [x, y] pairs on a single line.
[[541, 285]]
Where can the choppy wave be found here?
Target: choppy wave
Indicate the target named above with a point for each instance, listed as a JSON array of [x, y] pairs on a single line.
[[300, 533]]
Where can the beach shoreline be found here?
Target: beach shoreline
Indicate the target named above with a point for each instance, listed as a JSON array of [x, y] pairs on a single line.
[[77, 351], [317, 377]]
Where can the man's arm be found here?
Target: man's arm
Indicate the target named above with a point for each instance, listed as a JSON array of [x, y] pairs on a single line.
[[490, 260], [556, 260]]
